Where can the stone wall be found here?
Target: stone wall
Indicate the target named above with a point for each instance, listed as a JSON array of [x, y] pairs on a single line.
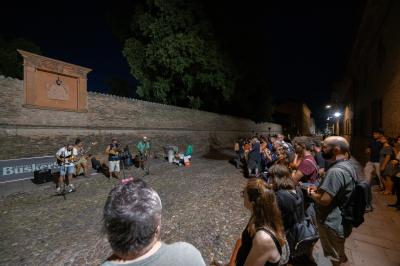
[[27, 132]]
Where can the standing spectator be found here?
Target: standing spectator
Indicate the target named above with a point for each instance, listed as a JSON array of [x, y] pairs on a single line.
[[132, 223], [263, 240], [318, 158], [290, 201], [373, 163], [239, 153], [331, 195], [254, 159], [307, 169], [386, 154], [396, 181], [396, 146]]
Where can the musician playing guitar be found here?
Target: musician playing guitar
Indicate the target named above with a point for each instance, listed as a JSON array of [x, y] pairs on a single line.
[[66, 156], [81, 164], [113, 151]]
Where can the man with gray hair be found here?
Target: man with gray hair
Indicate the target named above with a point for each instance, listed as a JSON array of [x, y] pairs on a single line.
[[330, 197], [132, 223]]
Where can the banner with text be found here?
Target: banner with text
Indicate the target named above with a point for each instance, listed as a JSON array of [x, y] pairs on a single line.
[[19, 169]]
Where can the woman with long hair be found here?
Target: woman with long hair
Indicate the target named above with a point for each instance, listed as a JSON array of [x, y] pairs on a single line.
[[290, 201], [263, 239]]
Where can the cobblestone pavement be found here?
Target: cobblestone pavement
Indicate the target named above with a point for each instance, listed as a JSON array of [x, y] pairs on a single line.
[[201, 205]]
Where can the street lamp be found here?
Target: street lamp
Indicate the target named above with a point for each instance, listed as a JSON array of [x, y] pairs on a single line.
[[337, 114], [328, 106]]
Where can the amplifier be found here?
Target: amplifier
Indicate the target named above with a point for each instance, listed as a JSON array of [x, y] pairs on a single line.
[[42, 176]]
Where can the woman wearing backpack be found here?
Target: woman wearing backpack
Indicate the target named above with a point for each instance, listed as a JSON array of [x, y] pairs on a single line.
[[263, 239], [290, 201]]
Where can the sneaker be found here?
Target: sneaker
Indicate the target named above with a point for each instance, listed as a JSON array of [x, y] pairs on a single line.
[[58, 190]]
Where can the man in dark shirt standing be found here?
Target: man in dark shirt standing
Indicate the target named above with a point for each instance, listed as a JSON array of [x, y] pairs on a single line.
[[330, 197], [373, 163]]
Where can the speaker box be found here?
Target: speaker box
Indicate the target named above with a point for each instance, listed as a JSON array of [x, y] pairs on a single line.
[[42, 176]]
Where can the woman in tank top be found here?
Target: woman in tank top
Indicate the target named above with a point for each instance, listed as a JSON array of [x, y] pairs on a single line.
[[263, 238]]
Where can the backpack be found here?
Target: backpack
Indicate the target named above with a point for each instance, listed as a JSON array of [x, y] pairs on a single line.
[[353, 210], [303, 234]]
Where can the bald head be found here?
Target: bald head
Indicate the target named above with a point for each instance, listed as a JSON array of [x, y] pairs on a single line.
[[338, 142]]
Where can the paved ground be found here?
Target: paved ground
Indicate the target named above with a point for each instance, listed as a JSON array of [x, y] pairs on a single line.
[[202, 205]]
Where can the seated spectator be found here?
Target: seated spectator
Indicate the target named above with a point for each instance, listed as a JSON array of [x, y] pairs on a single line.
[[184, 157], [263, 241], [132, 223]]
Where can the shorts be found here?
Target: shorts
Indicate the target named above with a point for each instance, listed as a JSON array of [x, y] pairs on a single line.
[[67, 170], [113, 166]]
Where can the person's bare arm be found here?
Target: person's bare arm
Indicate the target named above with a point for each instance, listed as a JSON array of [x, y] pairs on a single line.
[[107, 150], [297, 175], [319, 196]]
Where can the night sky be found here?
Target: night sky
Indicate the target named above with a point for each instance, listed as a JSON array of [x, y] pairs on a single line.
[[302, 49]]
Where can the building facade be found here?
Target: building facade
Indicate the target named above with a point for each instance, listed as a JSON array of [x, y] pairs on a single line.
[[295, 118], [369, 93]]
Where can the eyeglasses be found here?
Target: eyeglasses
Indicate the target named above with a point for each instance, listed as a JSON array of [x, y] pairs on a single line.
[[242, 193]]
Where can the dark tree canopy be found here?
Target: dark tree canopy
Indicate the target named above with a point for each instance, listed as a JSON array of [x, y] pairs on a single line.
[[174, 55], [10, 59], [119, 86], [195, 54]]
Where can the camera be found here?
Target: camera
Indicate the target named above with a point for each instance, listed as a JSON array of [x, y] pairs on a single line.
[[114, 146]]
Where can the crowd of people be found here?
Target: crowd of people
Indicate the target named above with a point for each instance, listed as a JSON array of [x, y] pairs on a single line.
[[297, 193]]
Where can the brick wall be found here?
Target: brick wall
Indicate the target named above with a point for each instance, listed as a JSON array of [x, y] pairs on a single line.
[[27, 132]]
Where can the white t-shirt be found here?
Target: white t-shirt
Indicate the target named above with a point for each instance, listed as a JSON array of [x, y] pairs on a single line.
[[63, 153]]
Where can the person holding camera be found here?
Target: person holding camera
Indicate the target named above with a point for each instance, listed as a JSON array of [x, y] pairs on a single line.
[[113, 153]]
